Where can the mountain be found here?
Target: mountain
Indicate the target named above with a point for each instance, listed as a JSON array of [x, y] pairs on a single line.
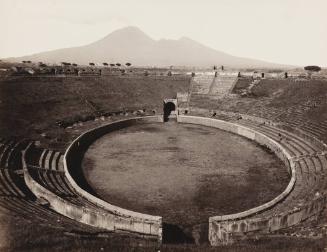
[[132, 45]]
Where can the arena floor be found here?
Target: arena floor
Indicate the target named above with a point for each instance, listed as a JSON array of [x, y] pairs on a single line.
[[182, 172]]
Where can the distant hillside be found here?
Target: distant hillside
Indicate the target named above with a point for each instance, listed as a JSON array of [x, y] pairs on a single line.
[[132, 45]]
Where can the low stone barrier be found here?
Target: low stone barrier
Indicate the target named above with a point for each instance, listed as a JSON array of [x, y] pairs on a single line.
[[66, 208], [226, 232], [222, 229], [123, 219], [305, 135], [300, 132]]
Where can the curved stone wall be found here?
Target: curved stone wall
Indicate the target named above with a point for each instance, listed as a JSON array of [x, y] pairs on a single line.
[[81, 144], [123, 219], [222, 229], [64, 207], [259, 138], [225, 229]]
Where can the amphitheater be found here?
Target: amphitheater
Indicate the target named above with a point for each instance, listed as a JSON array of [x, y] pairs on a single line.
[[49, 125]]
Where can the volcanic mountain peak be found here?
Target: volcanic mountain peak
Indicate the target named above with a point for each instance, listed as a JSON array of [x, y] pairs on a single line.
[[133, 45]]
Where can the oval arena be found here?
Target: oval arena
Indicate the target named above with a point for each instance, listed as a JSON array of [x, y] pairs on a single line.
[[213, 168], [200, 171]]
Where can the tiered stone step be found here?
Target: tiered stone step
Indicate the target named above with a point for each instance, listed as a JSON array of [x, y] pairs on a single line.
[[225, 117], [253, 84], [17, 200], [222, 85], [206, 90], [293, 117], [49, 173], [314, 129], [311, 167], [30, 210], [261, 109], [201, 84], [10, 161], [203, 101]]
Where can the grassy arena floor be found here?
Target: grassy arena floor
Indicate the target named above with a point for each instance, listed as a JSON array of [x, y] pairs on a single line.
[[185, 173]]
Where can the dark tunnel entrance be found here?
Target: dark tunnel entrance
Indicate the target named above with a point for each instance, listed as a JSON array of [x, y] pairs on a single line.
[[169, 107], [173, 234]]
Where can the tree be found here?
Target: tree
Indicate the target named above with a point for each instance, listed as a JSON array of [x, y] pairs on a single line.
[[112, 65], [105, 63], [118, 64], [128, 64], [65, 63], [312, 68], [74, 64], [91, 64]]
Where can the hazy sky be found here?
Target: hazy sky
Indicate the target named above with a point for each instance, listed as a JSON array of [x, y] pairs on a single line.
[[281, 31]]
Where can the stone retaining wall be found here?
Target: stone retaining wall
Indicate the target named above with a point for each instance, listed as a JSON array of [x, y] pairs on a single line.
[[124, 219], [64, 207], [226, 232], [223, 228]]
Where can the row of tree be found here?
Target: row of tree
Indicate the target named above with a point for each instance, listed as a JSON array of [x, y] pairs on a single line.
[[112, 64], [75, 65], [312, 68], [307, 68], [104, 64]]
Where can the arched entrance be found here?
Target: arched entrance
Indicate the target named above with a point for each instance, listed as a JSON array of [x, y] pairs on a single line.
[[169, 108]]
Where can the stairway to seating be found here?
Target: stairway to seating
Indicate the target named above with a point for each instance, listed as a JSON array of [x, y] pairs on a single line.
[[222, 85], [201, 83], [207, 89]]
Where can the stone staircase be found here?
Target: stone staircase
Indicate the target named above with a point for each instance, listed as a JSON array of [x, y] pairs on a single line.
[[222, 85], [201, 84], [253, 83], [248, 91], [206, 90]]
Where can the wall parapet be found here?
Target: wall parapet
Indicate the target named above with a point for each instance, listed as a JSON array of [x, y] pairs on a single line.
[[126, 219], [222, 229], [79, 213], [219, 226]]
